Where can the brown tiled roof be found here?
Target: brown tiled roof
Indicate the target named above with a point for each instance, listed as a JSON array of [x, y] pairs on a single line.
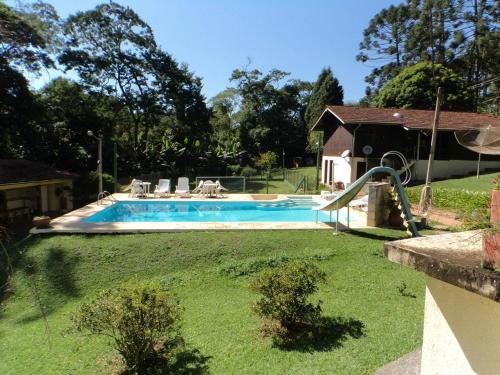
[[411, 118], [14, 171]]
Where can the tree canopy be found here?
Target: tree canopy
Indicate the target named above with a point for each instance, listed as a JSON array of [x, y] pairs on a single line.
[[463, 35], [416, 87]]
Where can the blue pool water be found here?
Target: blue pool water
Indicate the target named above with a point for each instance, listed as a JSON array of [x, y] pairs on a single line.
[[211, 211]]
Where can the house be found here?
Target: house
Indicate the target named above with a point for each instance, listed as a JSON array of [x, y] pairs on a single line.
[[355, 139], [30, 188]]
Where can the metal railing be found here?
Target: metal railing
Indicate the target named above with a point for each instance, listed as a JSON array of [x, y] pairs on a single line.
[[296, 179], [105, 195]]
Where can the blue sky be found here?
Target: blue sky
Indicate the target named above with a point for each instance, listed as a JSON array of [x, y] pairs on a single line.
[[298, 36]]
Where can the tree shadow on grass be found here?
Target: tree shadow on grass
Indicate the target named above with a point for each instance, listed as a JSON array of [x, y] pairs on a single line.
[[185, 361], [60, 272], [58, 280], [188, 362], [11, 258], [374, 236], [328, 334]]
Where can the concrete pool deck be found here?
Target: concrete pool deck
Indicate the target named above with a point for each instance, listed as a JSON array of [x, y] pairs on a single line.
[[73, 222]]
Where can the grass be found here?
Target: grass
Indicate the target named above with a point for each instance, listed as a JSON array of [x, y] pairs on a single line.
[[370, 321], [471, 183], [277, 185]]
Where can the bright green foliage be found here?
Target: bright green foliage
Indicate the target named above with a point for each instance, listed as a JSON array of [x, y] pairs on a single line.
[[248, 171], [139, 318], [416, 87], [267, 161], [284, 304]]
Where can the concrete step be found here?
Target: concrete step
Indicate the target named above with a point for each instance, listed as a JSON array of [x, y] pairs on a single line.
[[409, 364]]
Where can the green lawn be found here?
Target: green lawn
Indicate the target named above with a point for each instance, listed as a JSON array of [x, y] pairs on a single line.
[[471, 183], [361, 291]]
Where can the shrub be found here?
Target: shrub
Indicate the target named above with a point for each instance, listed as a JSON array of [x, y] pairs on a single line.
[[248, 171], [234, 169], [267, 161], [454, 199], [140, 320], [284, 305]]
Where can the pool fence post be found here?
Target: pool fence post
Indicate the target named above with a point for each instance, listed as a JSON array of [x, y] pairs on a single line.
[[115, 168], [337, 221], [348, 217], [244, 183]]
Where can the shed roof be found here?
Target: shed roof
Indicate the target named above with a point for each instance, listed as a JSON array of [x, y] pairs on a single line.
[[410, 118], [14, 171]]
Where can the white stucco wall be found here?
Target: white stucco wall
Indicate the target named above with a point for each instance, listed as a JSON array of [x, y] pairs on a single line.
[[461, 332], [342, 170], [448, 168]]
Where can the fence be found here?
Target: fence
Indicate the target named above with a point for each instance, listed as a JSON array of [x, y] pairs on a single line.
[[232, 183], [296, 179]]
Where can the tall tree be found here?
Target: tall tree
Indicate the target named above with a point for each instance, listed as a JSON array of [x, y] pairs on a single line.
[[460, 34], [69, 112], [384, 41], [270, 117], [115, 53], [22, 49], [415, 87], [326, 91]]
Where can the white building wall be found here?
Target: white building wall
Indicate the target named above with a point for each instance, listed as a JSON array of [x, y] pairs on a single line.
[[448, 168], [341, 170]]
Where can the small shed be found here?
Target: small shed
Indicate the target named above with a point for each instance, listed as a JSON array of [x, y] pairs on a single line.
[[30, 188]]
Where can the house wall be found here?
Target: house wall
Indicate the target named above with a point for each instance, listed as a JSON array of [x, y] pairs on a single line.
[[335, 169], [24, 201], [449, 168], [461, 331], [451, 159], [336, 141]]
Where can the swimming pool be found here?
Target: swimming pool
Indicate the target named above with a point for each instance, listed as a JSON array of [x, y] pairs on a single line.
[[287, 210]]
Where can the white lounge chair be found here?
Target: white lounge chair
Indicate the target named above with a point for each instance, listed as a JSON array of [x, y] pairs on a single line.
[[182, 187], [219, 188], [163, 188]]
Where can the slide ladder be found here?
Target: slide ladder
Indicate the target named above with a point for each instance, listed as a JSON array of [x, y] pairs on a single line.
[[352, 191]]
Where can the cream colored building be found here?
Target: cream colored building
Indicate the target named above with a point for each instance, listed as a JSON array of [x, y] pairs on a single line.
[[29, 188]]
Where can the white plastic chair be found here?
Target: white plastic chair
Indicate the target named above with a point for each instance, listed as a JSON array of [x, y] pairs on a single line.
[[182, 187], [136, 188], [219, 188], [198, 188], [163, 188]]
